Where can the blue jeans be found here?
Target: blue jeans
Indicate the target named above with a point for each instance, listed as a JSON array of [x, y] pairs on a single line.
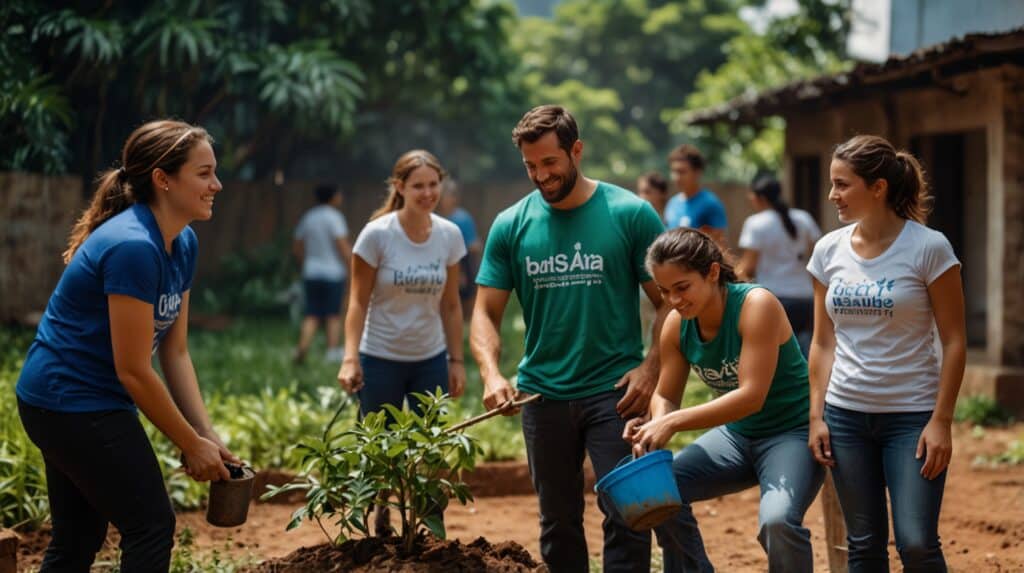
[[872, 452], [557, 433], [391, 382], [721, 462]]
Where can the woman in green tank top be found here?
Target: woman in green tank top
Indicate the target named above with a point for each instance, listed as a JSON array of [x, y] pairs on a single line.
[[736, 338]]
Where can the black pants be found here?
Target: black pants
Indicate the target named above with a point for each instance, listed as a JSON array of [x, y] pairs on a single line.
[[800, 312], [557, 433], [100, 469]]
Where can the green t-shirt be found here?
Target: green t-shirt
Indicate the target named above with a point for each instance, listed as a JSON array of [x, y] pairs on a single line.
[[576, 274], [717, 361]]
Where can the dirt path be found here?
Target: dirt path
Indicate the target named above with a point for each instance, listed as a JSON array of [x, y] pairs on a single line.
[[982, 524]]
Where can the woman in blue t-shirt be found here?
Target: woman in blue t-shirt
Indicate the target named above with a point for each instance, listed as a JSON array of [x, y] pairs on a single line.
[[123, 297]]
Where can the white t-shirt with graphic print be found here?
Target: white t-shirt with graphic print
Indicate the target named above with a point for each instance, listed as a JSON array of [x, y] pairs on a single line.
[[885, 359], [780, 262], [403, 321]]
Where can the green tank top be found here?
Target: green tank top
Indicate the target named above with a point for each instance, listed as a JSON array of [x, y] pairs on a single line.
[[716, 362]]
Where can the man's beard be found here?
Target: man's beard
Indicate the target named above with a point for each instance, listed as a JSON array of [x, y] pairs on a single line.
[[568, 182]]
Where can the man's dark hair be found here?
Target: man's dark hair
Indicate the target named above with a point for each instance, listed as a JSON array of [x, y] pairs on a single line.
[[325, 192], [543, 119], [689, 154]]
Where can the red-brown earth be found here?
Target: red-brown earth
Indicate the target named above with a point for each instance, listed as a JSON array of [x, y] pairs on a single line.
[[982, 523]]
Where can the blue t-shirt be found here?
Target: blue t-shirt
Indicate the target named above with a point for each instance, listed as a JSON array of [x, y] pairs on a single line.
[[464, 221], [702, 210], [70, 364]]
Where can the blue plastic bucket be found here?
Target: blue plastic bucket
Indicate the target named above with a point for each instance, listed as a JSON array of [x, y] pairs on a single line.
[[643, 490]]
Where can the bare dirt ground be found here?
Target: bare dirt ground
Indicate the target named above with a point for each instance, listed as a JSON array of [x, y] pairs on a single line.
[[982, 525]]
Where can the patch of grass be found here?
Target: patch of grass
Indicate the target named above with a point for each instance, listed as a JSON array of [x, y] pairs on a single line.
[[255, 354], [980, 411]]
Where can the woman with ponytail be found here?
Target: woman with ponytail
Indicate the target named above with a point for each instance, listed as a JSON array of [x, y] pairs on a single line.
[[882, 398], [776, 242], [403, 330], [123, 297], [737, 340]]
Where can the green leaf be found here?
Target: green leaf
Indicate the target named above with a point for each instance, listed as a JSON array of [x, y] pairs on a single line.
[[435, 523]]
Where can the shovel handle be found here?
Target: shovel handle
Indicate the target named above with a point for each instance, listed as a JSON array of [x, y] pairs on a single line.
[[477, 419]]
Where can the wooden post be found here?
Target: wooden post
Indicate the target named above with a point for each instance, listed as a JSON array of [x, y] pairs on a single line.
[[835, 527], [8, 551]]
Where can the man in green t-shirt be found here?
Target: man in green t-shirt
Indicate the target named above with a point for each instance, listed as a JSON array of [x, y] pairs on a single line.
[[573, 251]]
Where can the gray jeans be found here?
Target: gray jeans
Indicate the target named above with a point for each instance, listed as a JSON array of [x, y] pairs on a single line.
[[557, 433], [721, 462]]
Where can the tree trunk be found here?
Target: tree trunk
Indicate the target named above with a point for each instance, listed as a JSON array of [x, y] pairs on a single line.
[[835, 527]]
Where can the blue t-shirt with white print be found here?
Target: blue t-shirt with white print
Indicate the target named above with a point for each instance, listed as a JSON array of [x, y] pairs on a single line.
[[70, 364], [704, 209]]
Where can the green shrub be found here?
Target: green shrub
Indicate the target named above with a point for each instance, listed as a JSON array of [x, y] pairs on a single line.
[[412, 465], [980, 411], [23, 500], [251, 282]]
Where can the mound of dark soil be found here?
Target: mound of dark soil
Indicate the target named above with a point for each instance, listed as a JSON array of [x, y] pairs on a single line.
[[430, 555]]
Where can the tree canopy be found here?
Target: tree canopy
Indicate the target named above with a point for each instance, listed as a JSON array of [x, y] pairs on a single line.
[[331, 88]]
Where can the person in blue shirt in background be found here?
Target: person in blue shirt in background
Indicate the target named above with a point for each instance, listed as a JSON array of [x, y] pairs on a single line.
[[123, 297], [693, 206], [449, 209]]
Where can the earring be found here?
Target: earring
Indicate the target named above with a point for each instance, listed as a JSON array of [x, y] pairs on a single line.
[[166, 189]]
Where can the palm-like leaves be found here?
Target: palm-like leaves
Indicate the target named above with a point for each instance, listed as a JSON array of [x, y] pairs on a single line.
[[178, 33], [310, 81], [93, 42]]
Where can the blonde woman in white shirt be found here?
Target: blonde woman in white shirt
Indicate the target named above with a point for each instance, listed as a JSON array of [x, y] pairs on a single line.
[[403, 330], [881, 397]]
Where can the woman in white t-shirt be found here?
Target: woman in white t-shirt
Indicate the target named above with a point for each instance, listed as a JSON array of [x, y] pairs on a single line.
[[881, 396], [403, 330], [776, 243]]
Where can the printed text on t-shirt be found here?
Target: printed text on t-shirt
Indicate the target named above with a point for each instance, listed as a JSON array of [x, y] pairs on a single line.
[[562, 270], [867, 297]]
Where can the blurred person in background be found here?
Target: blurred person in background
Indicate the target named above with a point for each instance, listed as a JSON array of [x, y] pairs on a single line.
[[321, 244], [694, 206], [777, 242], [450, 209], [653, 188]]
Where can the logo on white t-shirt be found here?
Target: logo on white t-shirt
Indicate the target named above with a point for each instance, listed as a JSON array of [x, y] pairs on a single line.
[[866, 297], [563, 269], [425, 278]]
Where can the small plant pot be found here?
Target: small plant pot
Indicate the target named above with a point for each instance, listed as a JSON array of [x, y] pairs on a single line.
[[229, 499], [643, 490]]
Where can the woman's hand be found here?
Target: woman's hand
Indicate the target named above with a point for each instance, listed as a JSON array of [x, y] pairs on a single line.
[[204, 461], [820, 443], [456, 379], [632, 425], [652, 435], [351, 375], [936, 444], [225, 453]]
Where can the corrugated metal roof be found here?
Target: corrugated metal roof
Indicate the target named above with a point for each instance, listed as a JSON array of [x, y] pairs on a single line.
[[933, 65]]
